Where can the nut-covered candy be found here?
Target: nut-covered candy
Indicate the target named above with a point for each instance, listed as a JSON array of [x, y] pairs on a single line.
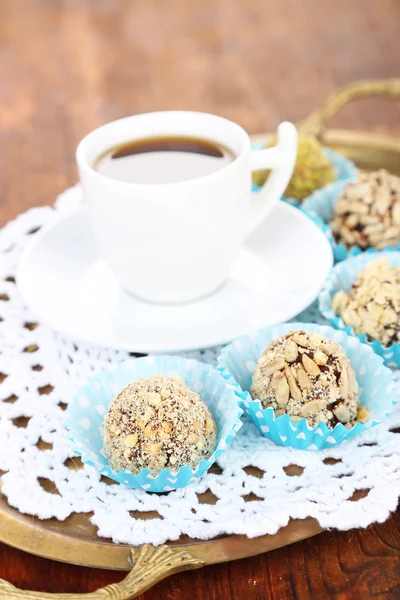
[[158, 423], [372, 306], [307, 376], [367, 212], [313, 168]]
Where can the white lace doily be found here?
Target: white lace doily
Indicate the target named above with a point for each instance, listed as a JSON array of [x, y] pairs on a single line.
[[40, 371]]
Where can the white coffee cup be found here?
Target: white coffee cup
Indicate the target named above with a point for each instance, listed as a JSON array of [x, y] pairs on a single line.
[[176, 242]]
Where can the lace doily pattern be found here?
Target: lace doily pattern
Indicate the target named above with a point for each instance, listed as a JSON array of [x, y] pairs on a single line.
[[253, 490]]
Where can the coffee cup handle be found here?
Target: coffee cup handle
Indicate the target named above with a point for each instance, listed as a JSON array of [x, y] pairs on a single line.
[[281, 160]]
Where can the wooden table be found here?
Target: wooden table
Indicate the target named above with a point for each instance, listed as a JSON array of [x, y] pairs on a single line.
[[68, 66]]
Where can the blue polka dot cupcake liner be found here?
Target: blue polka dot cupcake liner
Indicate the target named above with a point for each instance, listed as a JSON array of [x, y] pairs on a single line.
[[377, 389], [86, 412], [320, 207], [341, 278], [345, 170]]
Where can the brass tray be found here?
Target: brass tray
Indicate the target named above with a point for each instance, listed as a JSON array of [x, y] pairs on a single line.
[[75, 540]]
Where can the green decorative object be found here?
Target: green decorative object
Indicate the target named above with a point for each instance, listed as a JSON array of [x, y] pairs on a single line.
[[312, 171]]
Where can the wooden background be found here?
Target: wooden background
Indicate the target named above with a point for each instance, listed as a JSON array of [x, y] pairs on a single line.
[[67, 66]]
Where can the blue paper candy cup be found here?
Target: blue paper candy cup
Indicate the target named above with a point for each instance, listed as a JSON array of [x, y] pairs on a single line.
[[345, 170], [320, 206], [340, 278], [239, 360], [86, 413]]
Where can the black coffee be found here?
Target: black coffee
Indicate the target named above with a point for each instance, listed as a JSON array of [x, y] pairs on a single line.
[[163, 159]]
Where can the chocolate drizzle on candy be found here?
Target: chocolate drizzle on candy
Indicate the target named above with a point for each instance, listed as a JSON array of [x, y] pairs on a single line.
[[308, 376], [367, 212]]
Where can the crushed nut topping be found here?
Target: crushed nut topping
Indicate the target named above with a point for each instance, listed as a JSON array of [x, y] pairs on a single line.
[[372, 306], [158, 423], [367, 212], [306, 375]]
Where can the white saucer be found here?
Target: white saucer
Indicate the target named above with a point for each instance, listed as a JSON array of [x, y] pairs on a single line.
[[278, 273]]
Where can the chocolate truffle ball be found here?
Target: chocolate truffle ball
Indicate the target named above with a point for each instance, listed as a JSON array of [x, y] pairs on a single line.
[[306, 375], [158, 423], [367, 212], [372, 306]]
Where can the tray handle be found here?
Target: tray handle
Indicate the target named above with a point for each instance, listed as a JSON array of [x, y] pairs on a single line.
[[315, 123], [149, 566]]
